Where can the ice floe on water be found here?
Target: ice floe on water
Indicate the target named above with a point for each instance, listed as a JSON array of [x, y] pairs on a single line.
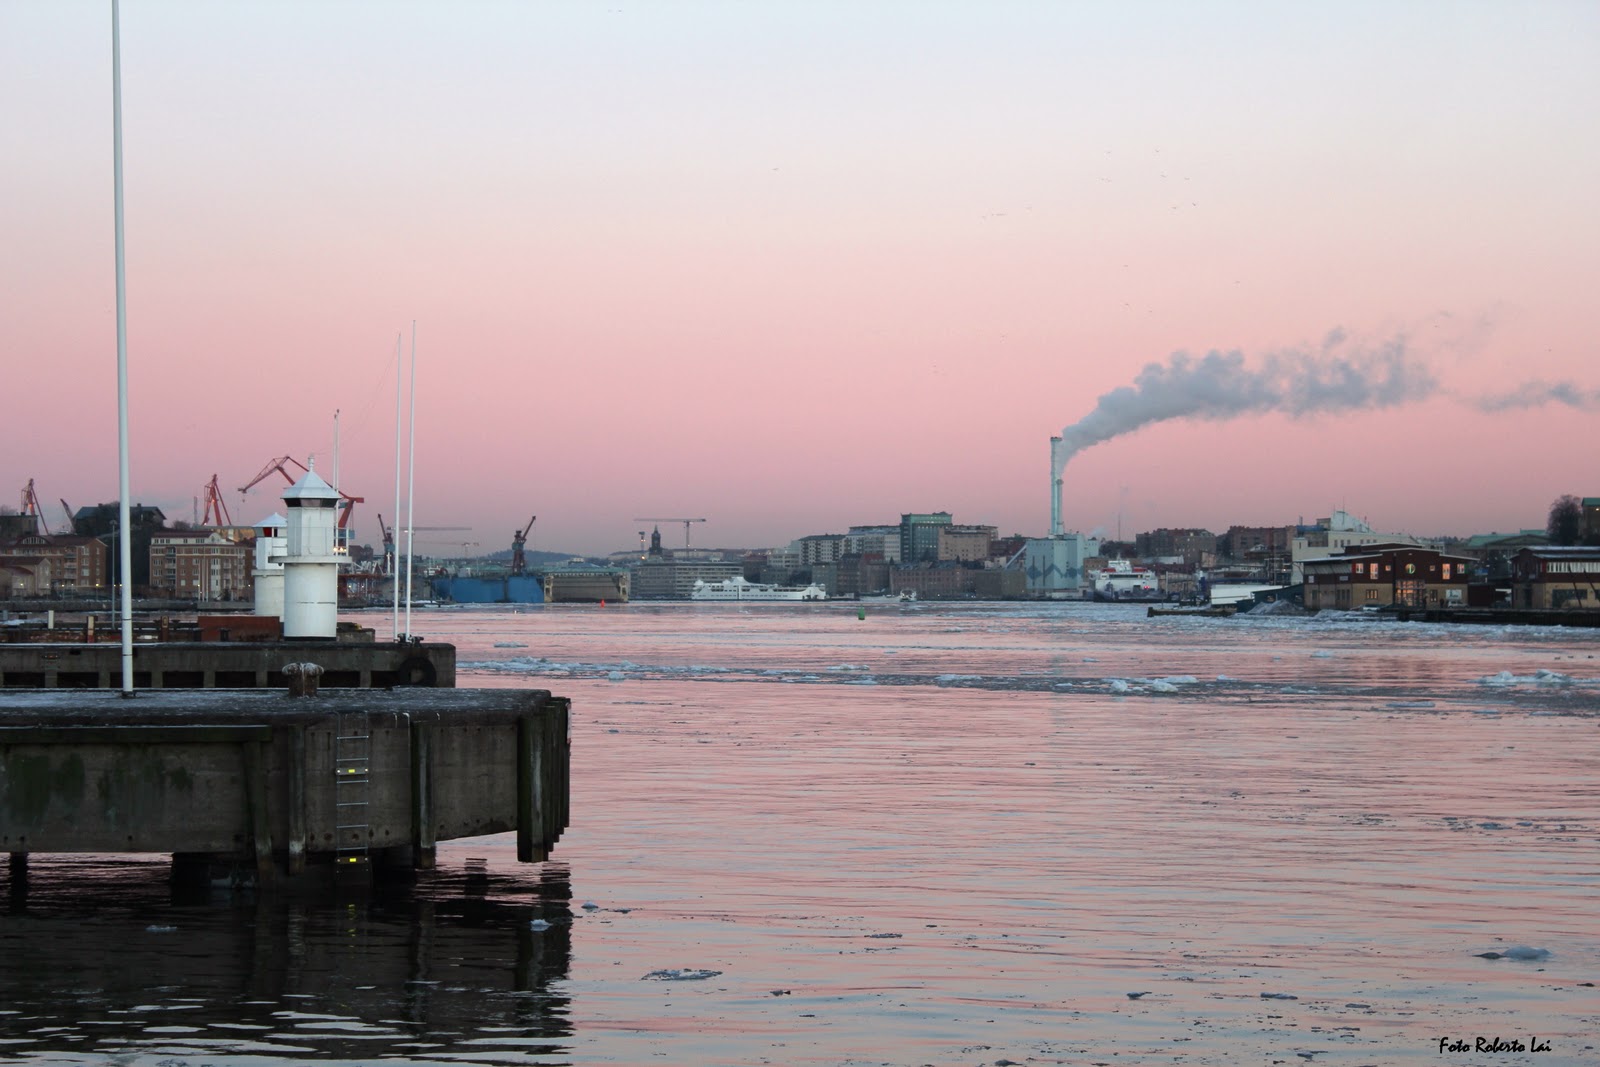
[[1517, 952], [681, 974], [509, 644], [1507, 680]]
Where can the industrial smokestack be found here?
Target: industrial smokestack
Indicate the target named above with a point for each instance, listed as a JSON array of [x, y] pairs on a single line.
[[1055, 487]]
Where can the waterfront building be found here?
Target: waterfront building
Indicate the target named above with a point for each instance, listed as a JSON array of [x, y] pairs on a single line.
[[24, 576], [919, 535], [1054, 566], [868, 540], [1386, 575], [1556, 576], [965, 544], [1192, 547], [819, 548], [77, 564], [200, 565], [1333, 535]]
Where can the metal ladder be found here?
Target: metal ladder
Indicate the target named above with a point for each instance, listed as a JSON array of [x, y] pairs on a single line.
[[352, 770]]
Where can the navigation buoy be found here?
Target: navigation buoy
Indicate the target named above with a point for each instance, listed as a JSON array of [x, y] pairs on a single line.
[[861, 613]]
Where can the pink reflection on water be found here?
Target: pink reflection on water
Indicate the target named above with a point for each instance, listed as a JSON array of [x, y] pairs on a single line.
[[948, 836]]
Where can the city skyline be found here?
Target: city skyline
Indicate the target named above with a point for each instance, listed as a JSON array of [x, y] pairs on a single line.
[[800, 267]]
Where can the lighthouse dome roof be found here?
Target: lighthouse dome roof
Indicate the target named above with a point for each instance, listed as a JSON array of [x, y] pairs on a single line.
[[311, 487]]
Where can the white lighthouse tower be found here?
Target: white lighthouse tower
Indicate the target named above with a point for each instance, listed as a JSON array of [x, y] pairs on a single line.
[[268, 574], [311, 564]]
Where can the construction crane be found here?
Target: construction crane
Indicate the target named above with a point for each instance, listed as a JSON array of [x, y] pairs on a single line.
[[30, 506], [519, 542], [389, 535], [216, 513], [686, 524], [347, 502], [72, 525]]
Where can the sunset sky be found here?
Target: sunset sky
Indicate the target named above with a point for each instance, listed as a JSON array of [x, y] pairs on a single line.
[[796, 266]]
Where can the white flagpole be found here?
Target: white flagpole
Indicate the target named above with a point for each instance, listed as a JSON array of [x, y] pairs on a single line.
[[411, 477], [125, 540], [394, 531]]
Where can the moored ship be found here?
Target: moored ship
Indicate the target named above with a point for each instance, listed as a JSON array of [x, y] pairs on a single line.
[[1120, 580], [737, 588]]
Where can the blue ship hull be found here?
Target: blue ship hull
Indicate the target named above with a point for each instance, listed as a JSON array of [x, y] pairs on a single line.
[[522, 590]]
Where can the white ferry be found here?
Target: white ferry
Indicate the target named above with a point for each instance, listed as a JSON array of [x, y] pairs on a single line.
[[737, 588], [1121, 580]]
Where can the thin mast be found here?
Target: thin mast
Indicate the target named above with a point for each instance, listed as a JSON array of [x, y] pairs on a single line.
[[394, 535], [124, 512], [411, 477]]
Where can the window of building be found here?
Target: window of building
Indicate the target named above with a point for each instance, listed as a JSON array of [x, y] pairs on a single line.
[[1372, 594], [1372, 571]]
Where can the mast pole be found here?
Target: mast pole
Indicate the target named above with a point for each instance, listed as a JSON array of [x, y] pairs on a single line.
[[124, 512], [394, 537], [411, 477]]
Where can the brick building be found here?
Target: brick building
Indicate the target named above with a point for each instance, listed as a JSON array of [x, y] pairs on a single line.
[[1380, 576], [1553, 576], [200, 565], [77, 564], [966, 544]]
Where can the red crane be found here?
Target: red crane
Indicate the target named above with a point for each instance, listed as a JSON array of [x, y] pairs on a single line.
[[216, 510], [519, 541], [31, 506], [347, 502]]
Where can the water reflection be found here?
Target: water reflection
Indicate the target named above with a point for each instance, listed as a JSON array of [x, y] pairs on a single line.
[[99, 957]]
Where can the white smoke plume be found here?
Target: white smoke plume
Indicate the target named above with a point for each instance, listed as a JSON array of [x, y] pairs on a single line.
[[1338, 376], [1537, 394]]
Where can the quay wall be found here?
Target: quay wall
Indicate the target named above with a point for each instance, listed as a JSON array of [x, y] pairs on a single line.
[[227, 664], [278, 781]]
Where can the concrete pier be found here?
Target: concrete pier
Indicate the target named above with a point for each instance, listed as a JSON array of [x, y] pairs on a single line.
[[265, 785], [227, 664]]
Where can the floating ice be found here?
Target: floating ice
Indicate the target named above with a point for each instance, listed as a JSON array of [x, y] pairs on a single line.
[[509, 644], [538, 924], [590, 905], [1279, 996], [1409, 704], [1517, 952], [883, 935], [1119, 685], [1322, 653], [615, 676], [160, 929], [956, 679], [680, 974], [1506, 679]]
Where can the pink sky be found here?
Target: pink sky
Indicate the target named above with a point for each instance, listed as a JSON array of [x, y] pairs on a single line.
[[793, 267]]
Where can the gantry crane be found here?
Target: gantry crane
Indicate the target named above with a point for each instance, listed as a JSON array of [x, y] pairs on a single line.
[[519, 542], [216, 513], [686, 524], [347, 502]]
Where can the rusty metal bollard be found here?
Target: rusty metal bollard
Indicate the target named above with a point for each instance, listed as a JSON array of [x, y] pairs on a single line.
[[302, 678]]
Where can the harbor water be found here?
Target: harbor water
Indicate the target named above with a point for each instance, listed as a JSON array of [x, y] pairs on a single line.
[[936, 834]]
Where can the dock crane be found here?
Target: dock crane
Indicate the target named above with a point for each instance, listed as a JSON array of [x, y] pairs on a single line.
[[390, 533], [519, 542], [686, 524], [216, 513], [346, 505], [72, 524], [30, 506]]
